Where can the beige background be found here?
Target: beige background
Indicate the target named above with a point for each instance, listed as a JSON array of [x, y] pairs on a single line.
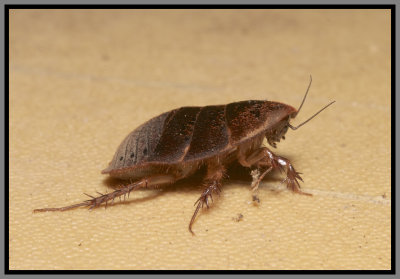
[[81, 80]]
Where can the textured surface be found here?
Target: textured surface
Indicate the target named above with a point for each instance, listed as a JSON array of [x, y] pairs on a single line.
[[80, 81]]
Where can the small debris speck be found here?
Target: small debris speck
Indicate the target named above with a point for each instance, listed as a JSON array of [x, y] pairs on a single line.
[[238, 218], [256, 199]]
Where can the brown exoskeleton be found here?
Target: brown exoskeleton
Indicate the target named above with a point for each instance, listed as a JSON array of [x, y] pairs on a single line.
[[173, 145]]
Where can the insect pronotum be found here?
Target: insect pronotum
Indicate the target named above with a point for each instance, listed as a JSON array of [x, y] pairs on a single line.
[[175, 144]]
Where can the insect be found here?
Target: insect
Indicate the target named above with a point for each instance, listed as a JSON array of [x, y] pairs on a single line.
[[175, 144]]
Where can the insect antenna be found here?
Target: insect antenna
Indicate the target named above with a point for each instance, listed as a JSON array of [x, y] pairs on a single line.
[[305, 95], [301, 105], [315, 114]]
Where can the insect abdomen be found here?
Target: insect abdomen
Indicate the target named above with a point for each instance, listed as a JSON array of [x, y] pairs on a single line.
[[176, 135], [210, 134], [139, 144]]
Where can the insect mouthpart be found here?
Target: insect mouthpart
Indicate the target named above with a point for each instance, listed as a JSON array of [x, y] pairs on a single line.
[[278, 132]]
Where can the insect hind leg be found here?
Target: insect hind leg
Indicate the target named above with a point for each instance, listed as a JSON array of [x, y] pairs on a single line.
[[125, 190]]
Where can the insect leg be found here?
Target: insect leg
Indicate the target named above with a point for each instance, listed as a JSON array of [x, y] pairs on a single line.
[[257, 177], [264, 157], [212, 185], [104, 198]]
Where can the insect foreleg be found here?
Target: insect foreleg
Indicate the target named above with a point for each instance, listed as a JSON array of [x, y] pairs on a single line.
[[263, 157]]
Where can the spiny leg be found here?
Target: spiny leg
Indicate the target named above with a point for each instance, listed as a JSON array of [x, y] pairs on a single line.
[[263, 157], [204, 199], [212, 184], [125, 190]]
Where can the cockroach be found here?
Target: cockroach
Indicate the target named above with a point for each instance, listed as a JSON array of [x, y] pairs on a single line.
[[175, 144]]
